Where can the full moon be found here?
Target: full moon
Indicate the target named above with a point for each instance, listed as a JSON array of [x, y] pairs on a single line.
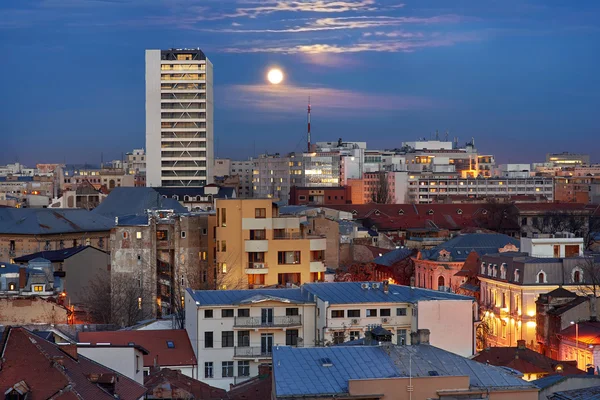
[[275, 76]]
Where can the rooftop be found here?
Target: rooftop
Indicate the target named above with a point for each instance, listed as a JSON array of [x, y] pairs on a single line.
[[327, 370], [173, 379], [124, 201], [155, 341], [56, 255], [589, 332], [592, 393], [43, 221], [460, 246], [355, 292], [236, 297], [48, 369], [392, 257]]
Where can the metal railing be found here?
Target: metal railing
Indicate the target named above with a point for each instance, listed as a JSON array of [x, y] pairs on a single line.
[[252, 352], [258, 322], [284, 236], [257, 265]]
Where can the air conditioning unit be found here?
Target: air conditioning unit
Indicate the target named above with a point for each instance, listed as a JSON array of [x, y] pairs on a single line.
[[259, 265], [375, 285], [364, 285], [354, 321], [385, 320]]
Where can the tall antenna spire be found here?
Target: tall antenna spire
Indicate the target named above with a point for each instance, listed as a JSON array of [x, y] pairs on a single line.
[[308, 119]]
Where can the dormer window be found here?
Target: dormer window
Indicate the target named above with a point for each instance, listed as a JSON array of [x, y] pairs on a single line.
[[400, 212], [516, 275], [377, 212], [430, 212], [175, 197], [186, 198], [503, 271], [541, 277], [495, 270], [489, 269], [459, 211], [198, 198], [484, 212], [483, 268], [577, 275], [354, 212]]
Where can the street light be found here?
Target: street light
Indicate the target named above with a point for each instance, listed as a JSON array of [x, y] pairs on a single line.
[[576, 339]]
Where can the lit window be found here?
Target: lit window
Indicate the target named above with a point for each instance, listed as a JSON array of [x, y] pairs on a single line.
[[224, 268], [38, 288], [138, 235]]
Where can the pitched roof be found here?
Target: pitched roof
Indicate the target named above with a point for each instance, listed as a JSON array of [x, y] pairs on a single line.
[[327, 370], [592, 393], [392, 257], [551, 207], [461, 246], [561, 292], [172, 379], [589, 332], [42, 221], [134, 201], [155, 341], [353, 292], [524, 360], [231, 297], [56, 255], [47, 369], [223, 193], [258, 388]]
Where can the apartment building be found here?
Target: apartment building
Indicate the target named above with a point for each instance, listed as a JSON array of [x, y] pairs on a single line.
[[255, 246], [566, 159], [511, 282], [179, 118], [272, 176], [346, 310], [245, 171], [136, 161], [233, 332], [163, 252]]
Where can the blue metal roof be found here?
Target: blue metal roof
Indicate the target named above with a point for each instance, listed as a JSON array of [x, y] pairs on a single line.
[[591, 393], [133, 220], [352, 292], [394, 256], [294, 210], [227, 297], [40, 221], [460, 246], [134, 201], [548, 381], [7, 268], [300, 371], [54, 255]]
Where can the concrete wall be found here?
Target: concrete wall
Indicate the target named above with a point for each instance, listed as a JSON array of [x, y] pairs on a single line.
[[153, 163], [450, 323], [82, 268], [20, 311], [128, 361], [331, 229]]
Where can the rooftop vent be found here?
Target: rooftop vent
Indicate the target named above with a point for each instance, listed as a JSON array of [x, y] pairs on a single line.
[[326, 362], [433, 373]]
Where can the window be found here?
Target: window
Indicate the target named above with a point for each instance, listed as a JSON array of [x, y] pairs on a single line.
[[385, 312], [227, 369], [401, 312], [291, 337], [208, 340], [223, 217], [291, 311], [204, 231], [11, 286], [244, 312], [170, 344], [47, 245], [288, 257], [227, 339], [577, 275], [338, 337], [38, 288], [541, 278], [203, 255], [208, 370], [208, 313], [183, 234], [354, 335], [353, 313], [227, 313], [138, 235], [223, 245], [162, 235], [260, 213], [224, 268], [243, 338], [137, 364], [125, 235], [243, 368], [372, 312], [401, 335], [258, 234], [337, 313]]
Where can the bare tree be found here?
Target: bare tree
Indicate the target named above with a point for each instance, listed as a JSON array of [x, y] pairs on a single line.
[[588, 274], [382, 194], [482, 332], [560, 221], [96, 300]]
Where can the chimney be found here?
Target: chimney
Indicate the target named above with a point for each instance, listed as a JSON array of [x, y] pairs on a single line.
[[22, 277], [412, 281], [264, 369], [590, 371], [386, 287], [593, 305], [70, 350], [521, 344]]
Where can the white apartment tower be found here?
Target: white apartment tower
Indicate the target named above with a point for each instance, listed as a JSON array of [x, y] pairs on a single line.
[[179, 118]]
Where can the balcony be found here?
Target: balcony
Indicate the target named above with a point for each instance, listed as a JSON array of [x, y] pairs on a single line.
[[257, 268], [256, 246], [286, 223], [259, 322], [317, 266], [287, 236], [252, 352]]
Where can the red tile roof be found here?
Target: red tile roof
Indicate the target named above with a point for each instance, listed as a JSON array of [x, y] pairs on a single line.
[[257, 388], [528, 207], [155, 341], [589, 332], [48, 370], [168, 379], [524, 360]]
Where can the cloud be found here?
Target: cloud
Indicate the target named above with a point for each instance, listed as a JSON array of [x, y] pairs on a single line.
[[291, 99], [235, 24], [395, 34]]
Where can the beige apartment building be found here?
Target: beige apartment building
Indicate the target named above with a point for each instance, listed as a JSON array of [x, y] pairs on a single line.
[[257, 247]]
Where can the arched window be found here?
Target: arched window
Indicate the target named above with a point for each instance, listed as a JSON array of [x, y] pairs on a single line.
[[517, 275], [541, 278], [186, 198], [577, 275], [482, 268], [441, 282]]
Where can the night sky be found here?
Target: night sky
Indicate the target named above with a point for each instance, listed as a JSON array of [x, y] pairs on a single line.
[[520, 76]]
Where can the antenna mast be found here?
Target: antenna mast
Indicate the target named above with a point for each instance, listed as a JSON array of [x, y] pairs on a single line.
[[308, 119]]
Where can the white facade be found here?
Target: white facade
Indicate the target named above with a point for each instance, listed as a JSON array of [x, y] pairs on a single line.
[[243, 336], [429, 145], [126, 360], [179, 118], [450, 322], [513, 171], [552, 247]]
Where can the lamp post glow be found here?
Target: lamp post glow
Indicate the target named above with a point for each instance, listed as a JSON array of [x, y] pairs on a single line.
[[576, 340]]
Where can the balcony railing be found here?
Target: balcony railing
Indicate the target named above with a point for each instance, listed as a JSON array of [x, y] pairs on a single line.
[[287, 236], [252, 352], [259, 322]]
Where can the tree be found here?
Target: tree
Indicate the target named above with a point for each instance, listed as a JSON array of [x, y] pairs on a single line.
[[482, 332], [562, 221], [381, 193], [358, 272], [588, 273]]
